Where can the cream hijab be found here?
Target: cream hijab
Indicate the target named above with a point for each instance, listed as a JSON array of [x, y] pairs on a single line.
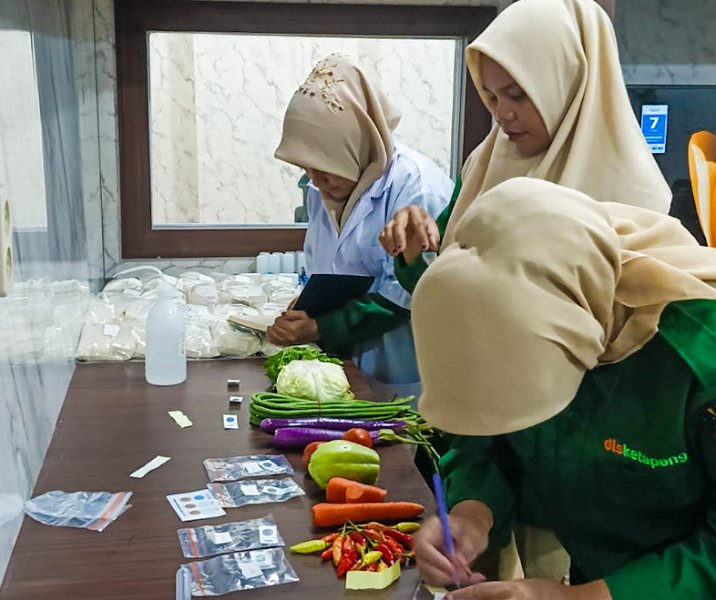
[[543, 284], [563, 53], [338, 123]]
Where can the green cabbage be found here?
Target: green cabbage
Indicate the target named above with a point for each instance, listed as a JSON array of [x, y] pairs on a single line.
[[314, 380]]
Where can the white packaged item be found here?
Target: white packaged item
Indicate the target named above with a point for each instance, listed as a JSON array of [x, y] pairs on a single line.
[[100, 311], [269, 349], [234, 572], [120, 286], [203, 293], [234, 342], [236, 292], [200, 341], [165, 362], [105, 341]]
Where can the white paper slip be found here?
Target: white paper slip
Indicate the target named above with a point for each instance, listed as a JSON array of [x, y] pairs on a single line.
[[250, 570], [222, 537], [231, 422], [111, 330], [250, 489], [180, 418], [268, 534], [155, 463], [252, 468], [191, 506]]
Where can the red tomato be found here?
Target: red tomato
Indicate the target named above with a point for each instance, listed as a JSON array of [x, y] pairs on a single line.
[[308, 451], [359, 436]]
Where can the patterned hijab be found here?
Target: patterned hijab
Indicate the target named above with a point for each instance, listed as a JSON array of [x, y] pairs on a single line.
[[543, 284], [563, 54], [338, 123]]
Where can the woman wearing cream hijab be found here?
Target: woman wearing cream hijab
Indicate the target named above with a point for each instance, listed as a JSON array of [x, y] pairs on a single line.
[[549, 72], [583, 400], [339, 128]]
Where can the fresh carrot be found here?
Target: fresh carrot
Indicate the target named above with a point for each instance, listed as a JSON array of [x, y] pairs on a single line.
[[326, 514], [341, 490]]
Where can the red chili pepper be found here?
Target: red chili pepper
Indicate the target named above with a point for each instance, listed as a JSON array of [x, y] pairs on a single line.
[[373, 536], [349, 557], [372, 567], [337, 550], [394, 546], [358, 538], [330, 537], [327, 553], [386, 552], [404, 538]]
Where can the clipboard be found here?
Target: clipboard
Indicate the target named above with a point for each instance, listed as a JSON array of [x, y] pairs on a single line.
[[325, 292], [259, 323]]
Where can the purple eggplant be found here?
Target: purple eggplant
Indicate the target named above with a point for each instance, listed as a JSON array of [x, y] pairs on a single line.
[[270, 425], [300, 437]]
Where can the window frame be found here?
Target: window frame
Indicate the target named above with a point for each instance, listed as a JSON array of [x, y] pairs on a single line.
[[134, 19]]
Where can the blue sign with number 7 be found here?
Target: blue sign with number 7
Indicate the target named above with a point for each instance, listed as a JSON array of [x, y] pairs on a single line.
[[653, 126]]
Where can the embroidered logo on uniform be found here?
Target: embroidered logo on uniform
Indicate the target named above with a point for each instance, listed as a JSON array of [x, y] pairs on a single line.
[[321, 81], [612, 445]]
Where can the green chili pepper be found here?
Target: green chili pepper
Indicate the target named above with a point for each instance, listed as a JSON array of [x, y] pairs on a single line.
[[309, 547], [407, 527]]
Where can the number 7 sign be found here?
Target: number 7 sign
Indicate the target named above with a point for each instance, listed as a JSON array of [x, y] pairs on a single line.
[[654, 119]]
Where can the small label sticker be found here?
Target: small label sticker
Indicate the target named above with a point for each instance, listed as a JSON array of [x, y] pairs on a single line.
[[252, 468], [268, 534], [222, 537], [236, 399], [111, 330], [250, 570], [231, 422], [249, 489]]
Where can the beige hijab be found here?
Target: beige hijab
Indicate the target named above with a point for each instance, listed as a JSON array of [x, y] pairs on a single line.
[[543, 284], [563, 53], [338, 123]]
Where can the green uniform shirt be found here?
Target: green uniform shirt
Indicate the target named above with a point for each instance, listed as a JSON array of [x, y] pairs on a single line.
[[625, 475]]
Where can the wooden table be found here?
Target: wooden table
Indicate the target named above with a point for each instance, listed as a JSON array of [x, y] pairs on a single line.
[[112, 423]]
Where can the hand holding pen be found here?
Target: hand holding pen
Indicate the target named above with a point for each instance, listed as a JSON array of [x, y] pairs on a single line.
[[469, 523]]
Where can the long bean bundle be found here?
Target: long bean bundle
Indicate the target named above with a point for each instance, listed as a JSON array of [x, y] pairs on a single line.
[[268, 404]]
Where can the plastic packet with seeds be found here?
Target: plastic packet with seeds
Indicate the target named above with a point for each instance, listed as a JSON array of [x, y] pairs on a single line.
[[247, 467], [257, 491], [253, 534], [238, 571]]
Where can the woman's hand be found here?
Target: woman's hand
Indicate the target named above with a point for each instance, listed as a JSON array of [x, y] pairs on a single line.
[[293, 327], [470, 524], [411, 231], [531, 589]]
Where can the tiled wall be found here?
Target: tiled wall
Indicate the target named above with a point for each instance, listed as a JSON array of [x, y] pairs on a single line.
[[49, 155]]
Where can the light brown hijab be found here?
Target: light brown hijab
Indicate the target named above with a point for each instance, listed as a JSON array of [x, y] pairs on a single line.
[[543, 284], [563, 54], [338, 123]]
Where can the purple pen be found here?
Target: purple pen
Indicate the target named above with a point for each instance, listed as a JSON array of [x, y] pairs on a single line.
[[442, 513]]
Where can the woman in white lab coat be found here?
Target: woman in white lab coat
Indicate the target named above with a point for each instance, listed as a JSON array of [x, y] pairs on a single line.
[[339, 128]]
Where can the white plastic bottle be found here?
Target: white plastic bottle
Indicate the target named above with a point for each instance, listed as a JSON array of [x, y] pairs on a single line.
[[165, 354]]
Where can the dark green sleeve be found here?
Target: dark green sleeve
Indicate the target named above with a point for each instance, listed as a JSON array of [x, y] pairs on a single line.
[[362, 319], [685, 570], [408, 275], [472, 470]]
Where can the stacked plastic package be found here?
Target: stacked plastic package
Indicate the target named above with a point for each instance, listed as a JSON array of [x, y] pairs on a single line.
[[114, 327], [42, 320]]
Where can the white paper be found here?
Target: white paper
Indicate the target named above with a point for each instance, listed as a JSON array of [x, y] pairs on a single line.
[[155, 463], [111, 330], [268, 534], [250, 570], [253, 467], [222, 537], [249, 489], [180, 418], [191, 506], [231, 422]]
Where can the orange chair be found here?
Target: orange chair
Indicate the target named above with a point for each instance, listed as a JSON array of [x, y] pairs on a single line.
[[702, 172]]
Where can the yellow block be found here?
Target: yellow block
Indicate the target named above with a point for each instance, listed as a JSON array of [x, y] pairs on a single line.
[[368, 580]]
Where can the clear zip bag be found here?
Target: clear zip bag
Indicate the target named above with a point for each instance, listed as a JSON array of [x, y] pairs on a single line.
[[86, 510], [236, 572], [253, 534], [257, 491], [247, 467]]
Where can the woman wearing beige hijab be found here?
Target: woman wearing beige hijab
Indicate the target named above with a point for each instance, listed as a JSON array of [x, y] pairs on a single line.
[[339, 128], [583, 399], [549, 72]]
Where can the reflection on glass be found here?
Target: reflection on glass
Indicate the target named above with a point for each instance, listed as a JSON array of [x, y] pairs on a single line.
[[22, 178], [216, 108]]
